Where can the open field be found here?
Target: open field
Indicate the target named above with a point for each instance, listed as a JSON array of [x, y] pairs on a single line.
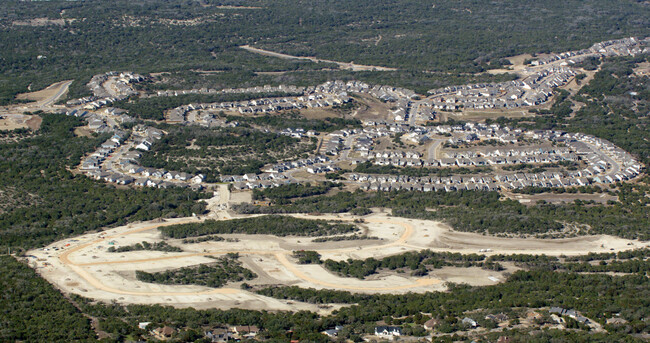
[[84, 266]]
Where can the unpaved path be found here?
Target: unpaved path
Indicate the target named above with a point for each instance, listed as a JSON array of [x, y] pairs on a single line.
[[343, 65]]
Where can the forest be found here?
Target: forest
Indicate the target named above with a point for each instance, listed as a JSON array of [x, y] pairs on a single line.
[[33, 311], [267, 225], [490, 213], [370, 168], [226, 269], [155, 246], [283, 193], [429, 42], [422, 262], [45, 202]]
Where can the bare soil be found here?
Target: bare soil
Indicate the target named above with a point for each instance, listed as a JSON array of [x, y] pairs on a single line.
[[84, 266]]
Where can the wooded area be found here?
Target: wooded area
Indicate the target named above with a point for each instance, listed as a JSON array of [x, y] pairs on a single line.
[[270, 225], [226, 269], [48, 202], [425, 40]]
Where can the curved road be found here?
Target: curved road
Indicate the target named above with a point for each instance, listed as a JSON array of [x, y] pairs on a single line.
[[280, 255]]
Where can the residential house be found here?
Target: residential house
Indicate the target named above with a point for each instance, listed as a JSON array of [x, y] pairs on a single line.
[[163, 333], [387, 331]]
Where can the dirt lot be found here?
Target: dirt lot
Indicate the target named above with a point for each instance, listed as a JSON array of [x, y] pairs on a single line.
[[10, 122], [643, 69], [371, 108], [41, 22], [531, 199], [84, 266], [83, 131]]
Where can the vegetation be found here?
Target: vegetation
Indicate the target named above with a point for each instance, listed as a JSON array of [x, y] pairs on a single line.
[[226, 269], [157, 246], [419, 263], [154, 107], [33, 311], [615, 104], [209, 238], [270, 225], [307, 257], [422, 262], [295, 120], [212, 152], [487, 212], [460, 37], [283, 193], [370, 168], [354, 237], [54, 203]]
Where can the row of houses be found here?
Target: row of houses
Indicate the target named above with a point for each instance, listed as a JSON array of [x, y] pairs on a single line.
[[249, 90], [164, 175], [124, 179], [381, 92], [619, 47], [298, 132], [120, 88], [534, 90], [570, 313], [95, 159], [261, 184], [286, 166], [262, 105]]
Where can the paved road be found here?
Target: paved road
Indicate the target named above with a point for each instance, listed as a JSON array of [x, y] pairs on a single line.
[[51, 100], [433, 151]]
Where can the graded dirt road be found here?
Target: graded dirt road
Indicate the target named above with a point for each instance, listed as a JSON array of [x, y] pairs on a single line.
[[343, 65], [84, 266]]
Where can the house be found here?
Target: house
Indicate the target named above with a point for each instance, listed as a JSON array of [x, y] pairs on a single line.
[[124, 180], [158, 173], [166, 184], [141, 182], [333, 332], [386, 331], [469, 321], [497, 318], [163, 333], [246, 330], [431, 323], [218, 335]]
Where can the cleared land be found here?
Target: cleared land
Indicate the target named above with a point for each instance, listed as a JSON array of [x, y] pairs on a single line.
[[47, 96], [10, 122], [84, 266], [342, 65]]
